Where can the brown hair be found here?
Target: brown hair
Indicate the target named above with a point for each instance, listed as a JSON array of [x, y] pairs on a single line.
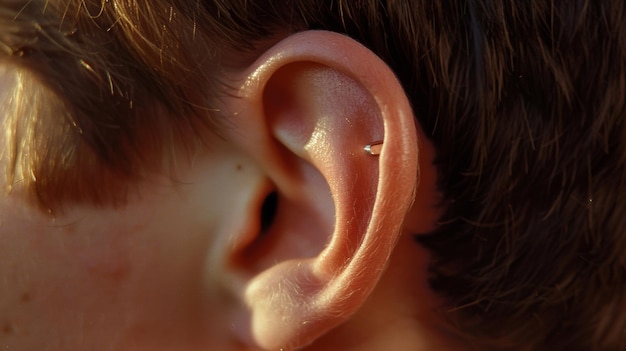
[[97, 100], [524, 101]]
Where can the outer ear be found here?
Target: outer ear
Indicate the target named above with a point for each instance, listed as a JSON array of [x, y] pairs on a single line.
[[304, 112]]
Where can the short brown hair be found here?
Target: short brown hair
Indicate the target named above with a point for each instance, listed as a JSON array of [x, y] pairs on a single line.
[[97, 100], [524, 100]]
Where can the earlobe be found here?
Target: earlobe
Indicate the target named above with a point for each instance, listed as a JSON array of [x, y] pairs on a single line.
[[305, 112]]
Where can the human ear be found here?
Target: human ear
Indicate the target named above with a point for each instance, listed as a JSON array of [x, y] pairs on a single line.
[[303, 112]]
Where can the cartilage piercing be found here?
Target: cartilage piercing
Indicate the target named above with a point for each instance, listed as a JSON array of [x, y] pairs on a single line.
[[374, 148]]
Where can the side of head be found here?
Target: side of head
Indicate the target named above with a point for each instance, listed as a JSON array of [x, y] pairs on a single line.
[[523, 103]]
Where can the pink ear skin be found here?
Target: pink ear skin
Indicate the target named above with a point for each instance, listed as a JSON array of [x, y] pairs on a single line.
[[303, 114]]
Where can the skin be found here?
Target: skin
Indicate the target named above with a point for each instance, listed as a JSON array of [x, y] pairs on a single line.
[[115, 279], [138, 277], [173, 267]]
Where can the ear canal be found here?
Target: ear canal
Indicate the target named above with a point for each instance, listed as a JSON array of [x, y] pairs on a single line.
[[339, 207]]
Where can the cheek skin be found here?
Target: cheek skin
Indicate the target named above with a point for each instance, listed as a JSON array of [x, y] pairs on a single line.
[[134, 278], [98, 279]]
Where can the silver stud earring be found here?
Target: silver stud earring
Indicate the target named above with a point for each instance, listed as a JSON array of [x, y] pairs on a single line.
[[374, 148]]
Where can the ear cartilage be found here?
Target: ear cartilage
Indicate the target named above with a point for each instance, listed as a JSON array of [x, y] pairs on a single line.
[[374, 148]]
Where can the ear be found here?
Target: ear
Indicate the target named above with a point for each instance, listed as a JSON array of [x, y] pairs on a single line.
[[304, 113]]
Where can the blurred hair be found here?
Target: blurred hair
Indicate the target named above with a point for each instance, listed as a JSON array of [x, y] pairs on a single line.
[[524, 101], [97, 97]]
